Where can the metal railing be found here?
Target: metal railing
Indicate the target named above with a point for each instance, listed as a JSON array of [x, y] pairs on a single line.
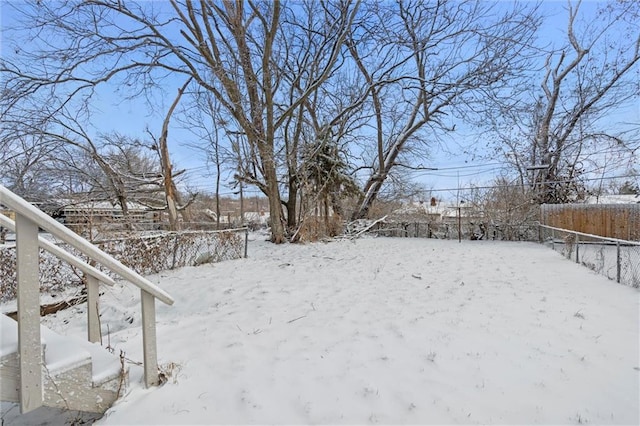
[[616, 259], [28, 220]]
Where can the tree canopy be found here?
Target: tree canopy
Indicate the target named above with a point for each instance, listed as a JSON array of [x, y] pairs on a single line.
[[319, 99]]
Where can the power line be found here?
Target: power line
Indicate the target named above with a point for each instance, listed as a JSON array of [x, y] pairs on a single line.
[[518, 185]]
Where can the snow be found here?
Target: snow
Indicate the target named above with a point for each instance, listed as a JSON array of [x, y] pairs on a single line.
[[380, 330], [613, 199], [9, 336]]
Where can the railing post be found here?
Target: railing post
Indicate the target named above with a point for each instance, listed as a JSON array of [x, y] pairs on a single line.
[[29, 343], [577, 248], [246, 241], [618, 262], [540, 238], [150, 350], [93, 315]]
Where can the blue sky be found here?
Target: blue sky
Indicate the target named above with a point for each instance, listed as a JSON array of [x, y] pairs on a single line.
[[133, 117]]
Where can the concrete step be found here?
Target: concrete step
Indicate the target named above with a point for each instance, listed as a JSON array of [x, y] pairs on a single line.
[[77, 375]]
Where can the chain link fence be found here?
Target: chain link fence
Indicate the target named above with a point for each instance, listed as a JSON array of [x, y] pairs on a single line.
[[618, 260], [149, 254], [452, 231], [146, 254]]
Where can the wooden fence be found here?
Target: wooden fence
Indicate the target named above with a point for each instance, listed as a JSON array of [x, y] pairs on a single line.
[[620, 221]]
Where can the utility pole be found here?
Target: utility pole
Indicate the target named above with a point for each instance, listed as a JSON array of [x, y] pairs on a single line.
[[236, 148], [241, 205]]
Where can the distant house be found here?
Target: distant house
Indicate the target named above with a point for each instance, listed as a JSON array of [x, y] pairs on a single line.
[[436, 211], [232, 218], [417, 211], [257, 219], [468, 213], [93, 213]]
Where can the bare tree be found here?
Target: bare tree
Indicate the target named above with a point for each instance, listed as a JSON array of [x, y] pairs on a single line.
[[324, 183], [565, 130], [424, 61], [27, 167], [231, 49], [161, 145], [204, 118], [110, 167]]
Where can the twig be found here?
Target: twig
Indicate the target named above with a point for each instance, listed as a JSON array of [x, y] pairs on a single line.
[[123, 373], [130, 361], [99, 322], [55, 385], [295, 319], [109, 347]]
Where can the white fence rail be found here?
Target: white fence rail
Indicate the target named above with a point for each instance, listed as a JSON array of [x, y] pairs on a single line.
[[616, 259]]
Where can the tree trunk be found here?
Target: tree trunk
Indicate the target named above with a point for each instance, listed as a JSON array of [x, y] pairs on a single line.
[[171, 194], [292, 203], [275, 206]]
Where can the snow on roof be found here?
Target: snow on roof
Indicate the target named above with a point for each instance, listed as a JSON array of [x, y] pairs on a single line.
[[257, 217], [419, 208], [103, 205], [613, 199]]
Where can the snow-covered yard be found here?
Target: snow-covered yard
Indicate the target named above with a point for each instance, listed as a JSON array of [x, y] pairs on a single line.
[[382, 330]]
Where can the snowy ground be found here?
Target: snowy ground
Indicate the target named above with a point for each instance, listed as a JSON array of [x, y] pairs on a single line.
[[382, 330]]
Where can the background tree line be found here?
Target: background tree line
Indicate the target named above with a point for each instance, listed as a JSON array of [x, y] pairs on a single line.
[[313, 102]]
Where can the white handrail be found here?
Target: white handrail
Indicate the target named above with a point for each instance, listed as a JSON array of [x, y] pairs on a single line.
[[28, 220], [62, 254], [63, 233]]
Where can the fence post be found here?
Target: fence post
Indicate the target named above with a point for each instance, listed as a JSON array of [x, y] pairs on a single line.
[[540, 240], [246, 241], [553, 239], [459, 226], [618, 262], [577, 248]]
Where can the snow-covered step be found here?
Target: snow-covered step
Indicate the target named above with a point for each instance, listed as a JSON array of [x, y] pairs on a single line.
[[9, 367], [77, 374]]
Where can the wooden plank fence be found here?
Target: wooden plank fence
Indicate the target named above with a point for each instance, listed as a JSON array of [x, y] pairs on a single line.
[[620, 221]]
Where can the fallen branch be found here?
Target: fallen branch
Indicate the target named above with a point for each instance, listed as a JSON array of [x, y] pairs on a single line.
[[52, 308], [371, 225]]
